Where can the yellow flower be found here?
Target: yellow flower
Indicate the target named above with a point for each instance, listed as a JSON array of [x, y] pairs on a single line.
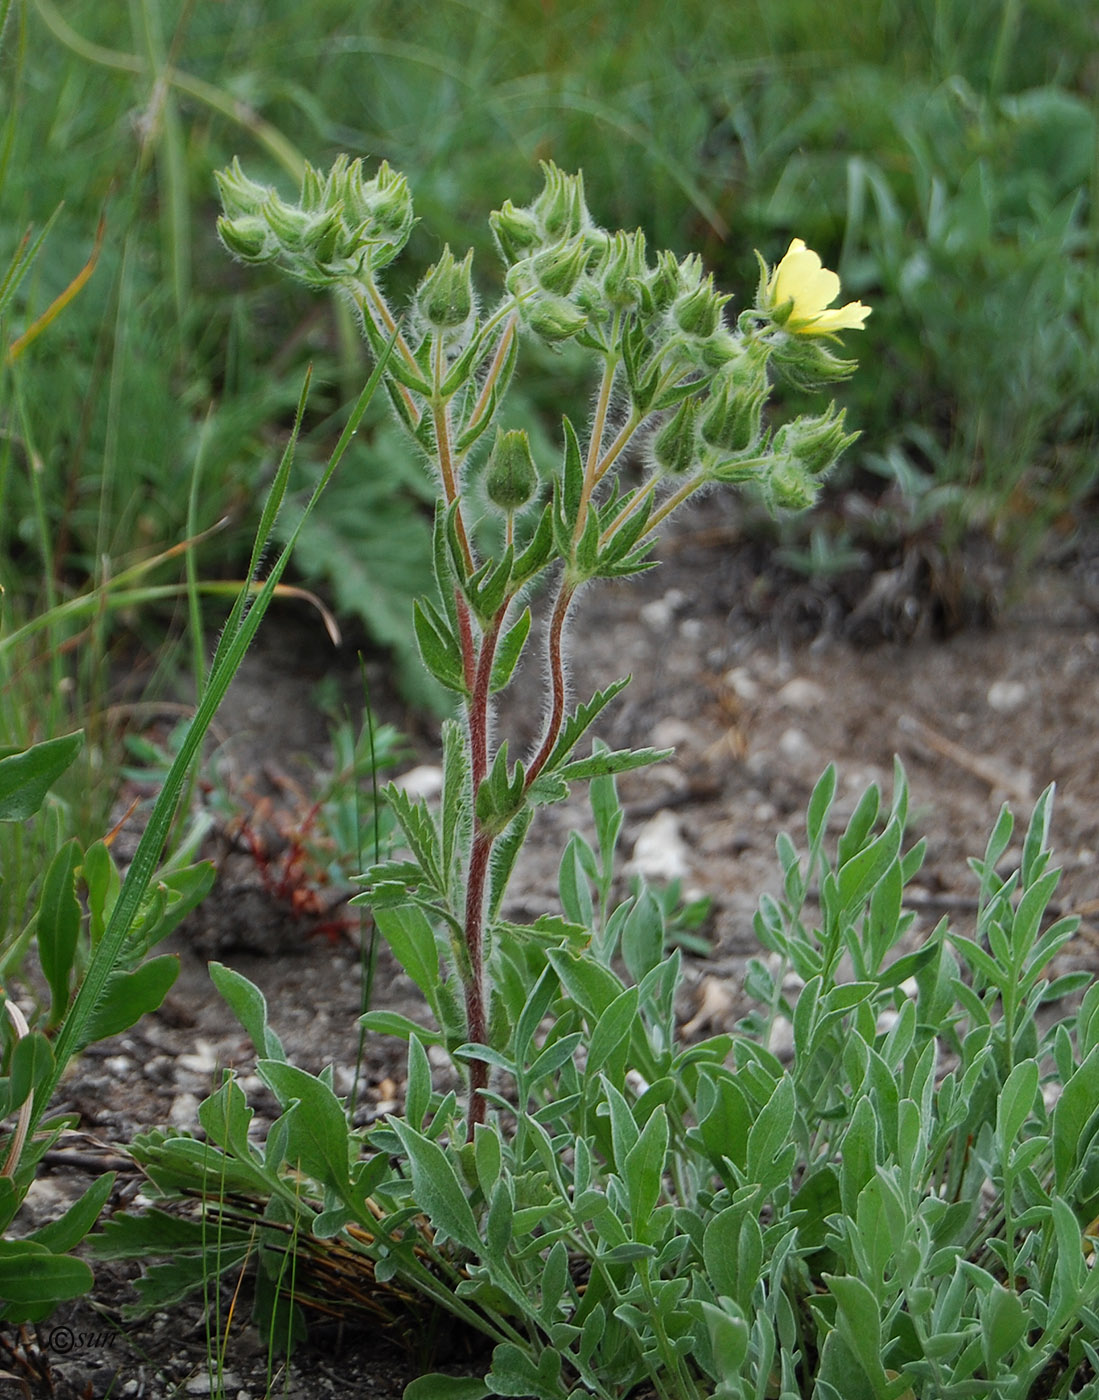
[[801, 279]]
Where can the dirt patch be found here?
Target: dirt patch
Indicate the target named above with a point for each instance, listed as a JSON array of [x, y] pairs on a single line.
[[758, 682]]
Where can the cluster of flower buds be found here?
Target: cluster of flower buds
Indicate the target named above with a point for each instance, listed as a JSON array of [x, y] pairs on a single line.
[[343, 227], [684, 380]]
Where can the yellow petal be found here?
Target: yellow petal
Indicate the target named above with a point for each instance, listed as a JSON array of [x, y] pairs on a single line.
[[850, 317]]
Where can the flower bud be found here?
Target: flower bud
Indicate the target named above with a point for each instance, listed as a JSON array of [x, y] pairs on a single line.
[[553, 318], [816, 443], [515, 230], [676, 444], [445, 296], [511, 478], [287, 222], [560, 208], [665, 283], [240, 196], [698, 312], [558, 269], [735, 412], [790, 486], [248, 237], [625, 269]]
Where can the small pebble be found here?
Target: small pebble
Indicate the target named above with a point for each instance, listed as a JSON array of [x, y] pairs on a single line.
[[660, 853], [801, 694], [1005, 696], [794, 744], [424, 781]]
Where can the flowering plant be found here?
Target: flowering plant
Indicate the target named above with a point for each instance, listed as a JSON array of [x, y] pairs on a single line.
[[678, 388], [619, 1212]]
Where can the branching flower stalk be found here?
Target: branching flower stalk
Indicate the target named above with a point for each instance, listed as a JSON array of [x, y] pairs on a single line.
[[681, 393]]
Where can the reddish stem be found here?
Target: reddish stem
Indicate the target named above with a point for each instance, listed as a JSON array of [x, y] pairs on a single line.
[[476, 1016], [556, 666]]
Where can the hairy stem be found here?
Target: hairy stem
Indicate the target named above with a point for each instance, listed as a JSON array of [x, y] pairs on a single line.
[[475, 991], [556, 667]]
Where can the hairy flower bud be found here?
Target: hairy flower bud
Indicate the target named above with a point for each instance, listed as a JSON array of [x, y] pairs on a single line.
[[515, 230], [816, 443], [790, 486], [732, 422], [248, 237], [665, 283], [511, 478], [553, 318], [698, 312], [559, 268], [445, 296], [560, 208], [675, 446], [625, 269]]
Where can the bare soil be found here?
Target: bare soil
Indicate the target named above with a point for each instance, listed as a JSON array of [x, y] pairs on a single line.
[[758, 680]]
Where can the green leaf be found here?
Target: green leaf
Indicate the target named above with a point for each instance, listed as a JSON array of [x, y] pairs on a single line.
[[770, 1151], [393, 1023], [1004, 1323], [440, 1387], [32, 1278], [31, 1063], [409, 934], [1073, 1113], [26, 777], [438, 649], [643, 1171], [611, 1036], [820, 804], [249, 1005], [643, 935], [605, 762], [58, 927], [509, 651], [319, 1136], [127, 997], [68, 1230], [436, 1187], [857, 876], [1015, 1103]]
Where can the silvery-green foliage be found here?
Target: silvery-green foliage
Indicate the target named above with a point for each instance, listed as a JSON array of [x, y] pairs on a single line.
[[897, 1207]]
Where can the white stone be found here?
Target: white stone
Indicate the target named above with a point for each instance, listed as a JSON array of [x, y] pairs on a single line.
[[742, 683], [794, 744], [1006, 696], [660, 853], [424, 781], [801, 694], [184, 1111], [660, 613]]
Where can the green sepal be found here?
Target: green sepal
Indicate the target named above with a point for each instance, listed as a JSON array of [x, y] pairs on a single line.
[[509, 650], [500, 796], [572, 479], [438, 649], [488, 587], [675, 393], [538, 551], [585, 558], [581, 720], [606, 762]]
